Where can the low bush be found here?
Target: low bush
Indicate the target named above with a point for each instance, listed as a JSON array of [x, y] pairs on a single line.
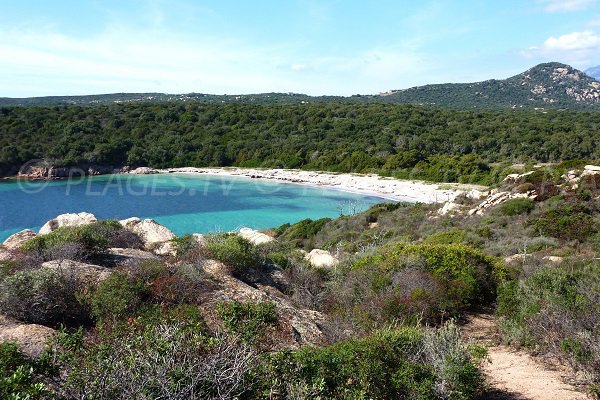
[[117, 297], [234, 251], [247, 320], [89, 240], [454, 236], [301, 232], [159, 359], [516, 206], [43, 296], [403, 363]]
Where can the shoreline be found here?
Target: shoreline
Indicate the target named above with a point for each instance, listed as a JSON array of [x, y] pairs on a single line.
[[414, 191], [370, 185]]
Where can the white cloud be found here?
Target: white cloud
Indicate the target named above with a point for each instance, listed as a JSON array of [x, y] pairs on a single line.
[[577, 48], [553, 6], [573, 41]]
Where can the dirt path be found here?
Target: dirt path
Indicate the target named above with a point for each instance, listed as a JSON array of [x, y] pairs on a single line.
[[514, 374]]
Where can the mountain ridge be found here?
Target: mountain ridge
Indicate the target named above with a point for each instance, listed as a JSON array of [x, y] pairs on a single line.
[[548, 85]]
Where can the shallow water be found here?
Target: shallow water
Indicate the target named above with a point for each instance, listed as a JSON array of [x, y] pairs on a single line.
[[183, 203]]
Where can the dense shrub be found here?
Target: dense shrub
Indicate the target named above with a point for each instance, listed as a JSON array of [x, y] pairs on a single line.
[[247, 320], [468, 275], [117, 297], [556, 309], [401, 363], [567, 221], [516, 206], [234, 251], [42, 296]]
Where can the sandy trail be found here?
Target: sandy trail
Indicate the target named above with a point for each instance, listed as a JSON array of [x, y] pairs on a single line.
[[514, 374]]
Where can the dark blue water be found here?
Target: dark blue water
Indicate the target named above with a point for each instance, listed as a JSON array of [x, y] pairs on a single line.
[[183, 203]]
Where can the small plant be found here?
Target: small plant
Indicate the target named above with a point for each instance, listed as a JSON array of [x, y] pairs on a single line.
[[18, 378]]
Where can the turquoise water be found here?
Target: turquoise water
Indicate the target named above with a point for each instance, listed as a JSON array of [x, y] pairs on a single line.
[[183, 203]]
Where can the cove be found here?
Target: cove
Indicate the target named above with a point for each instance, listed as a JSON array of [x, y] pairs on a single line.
[[184, 203]]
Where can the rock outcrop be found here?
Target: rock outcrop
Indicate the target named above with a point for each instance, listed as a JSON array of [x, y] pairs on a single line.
[[87, 274], [321, 259], [31, 338], [499, 198], [153, 235], [298, 326], [117, 256], [79, 219], [143, 171], [255, 237], [16, 240], [49, 172]]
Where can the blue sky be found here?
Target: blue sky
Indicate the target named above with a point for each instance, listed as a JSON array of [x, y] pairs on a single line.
[[339, 47]]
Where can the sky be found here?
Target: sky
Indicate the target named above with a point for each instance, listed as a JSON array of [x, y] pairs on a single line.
[[333, 47]]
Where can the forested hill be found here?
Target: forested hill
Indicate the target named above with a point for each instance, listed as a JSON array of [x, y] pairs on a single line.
[[548, 86], [399, 140]]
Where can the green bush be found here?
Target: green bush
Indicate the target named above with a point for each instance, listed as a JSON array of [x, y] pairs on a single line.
[[303, 230], [18, 375], [517, 206], [247, 320], [42, 296], [117, 297], [92, 238], [234, 251], [567, 221], [468, 276], [453, 236], [391, 364]]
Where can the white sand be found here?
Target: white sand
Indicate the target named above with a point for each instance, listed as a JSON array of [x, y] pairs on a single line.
[[374, 185]]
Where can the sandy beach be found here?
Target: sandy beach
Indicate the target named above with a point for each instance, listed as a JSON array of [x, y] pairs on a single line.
[[374, 185]]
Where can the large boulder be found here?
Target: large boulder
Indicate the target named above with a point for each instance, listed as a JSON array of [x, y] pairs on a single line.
[[31, 338], [79, 219], [255, 237], [16, 240], [321, 259], [87, 274], [152, 234]]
